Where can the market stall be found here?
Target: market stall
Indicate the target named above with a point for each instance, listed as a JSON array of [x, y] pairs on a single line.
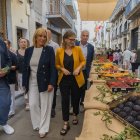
[[101, 120]]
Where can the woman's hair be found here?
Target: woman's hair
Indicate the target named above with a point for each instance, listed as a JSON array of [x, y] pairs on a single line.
[[67, 34], [8, 42], [37, 33], [28, 43]]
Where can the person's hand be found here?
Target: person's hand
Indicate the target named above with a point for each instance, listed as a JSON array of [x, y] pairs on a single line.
[[2, 73], [76, 71], [50, 88], [65, 71]]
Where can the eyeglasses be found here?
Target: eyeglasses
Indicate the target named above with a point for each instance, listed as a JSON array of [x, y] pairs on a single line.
[[71, 39]]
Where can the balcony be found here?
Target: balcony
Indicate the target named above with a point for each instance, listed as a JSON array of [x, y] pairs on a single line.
[[132, 9], [125, 32], [54, 28], [72, 9], [119, 35], [58, 14], [119, 9]]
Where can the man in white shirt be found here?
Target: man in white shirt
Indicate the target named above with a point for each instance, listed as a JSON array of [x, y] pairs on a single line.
[[126, 59], [55, 46], [88, 51]]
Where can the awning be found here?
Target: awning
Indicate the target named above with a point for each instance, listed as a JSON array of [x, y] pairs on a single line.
[[97, 10]]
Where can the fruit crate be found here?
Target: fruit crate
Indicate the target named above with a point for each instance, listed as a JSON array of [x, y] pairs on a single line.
[[127, 110], [118, 86], [130, 81]]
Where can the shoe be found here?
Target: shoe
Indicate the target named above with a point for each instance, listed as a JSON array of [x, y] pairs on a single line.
[[75, 121], [53, 113], [36, 129], [27, 108], [42, 135], [11, 114], [8, 129], [65, 129]]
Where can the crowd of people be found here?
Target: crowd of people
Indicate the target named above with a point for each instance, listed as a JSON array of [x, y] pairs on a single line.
[[127, 59], [39, 70]]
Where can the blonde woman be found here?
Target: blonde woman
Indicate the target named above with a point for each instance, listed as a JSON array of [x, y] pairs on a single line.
[[39, 80], [69, 62]]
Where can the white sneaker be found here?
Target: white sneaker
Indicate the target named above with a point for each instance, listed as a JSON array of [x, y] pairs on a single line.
[[8, 129], [11, 114]]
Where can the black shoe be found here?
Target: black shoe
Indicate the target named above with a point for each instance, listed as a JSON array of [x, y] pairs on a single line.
[[65, 130], [53, 113], [75, 121]]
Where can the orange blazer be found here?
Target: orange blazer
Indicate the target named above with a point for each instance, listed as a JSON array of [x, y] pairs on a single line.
[[78, 58]]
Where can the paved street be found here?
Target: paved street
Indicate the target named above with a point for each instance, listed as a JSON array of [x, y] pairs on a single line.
[[23, 128]]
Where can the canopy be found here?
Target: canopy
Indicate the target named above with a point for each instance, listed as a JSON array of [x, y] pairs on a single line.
[[97, 10], [95, 1]]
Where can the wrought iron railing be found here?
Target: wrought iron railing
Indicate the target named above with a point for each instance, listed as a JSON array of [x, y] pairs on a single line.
[[119, 6], [58, 7], [130, 6]]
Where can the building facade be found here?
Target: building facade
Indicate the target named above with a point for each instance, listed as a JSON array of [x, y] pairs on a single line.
[[102, 34], [17, 20], [60, 17], [132, 13], [3, 19], [120, 35], [20, 18]]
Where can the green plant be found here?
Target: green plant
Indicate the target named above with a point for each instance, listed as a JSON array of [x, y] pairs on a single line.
[[106, 117], [128, 133], [104, 93], [5, 69]]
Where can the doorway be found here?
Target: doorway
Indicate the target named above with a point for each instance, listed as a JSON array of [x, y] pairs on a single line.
[[134, 39]]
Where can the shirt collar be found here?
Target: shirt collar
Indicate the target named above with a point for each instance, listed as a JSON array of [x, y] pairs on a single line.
[[83, 45]]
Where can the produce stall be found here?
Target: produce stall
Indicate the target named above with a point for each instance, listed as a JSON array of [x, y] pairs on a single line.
[[111, 87]]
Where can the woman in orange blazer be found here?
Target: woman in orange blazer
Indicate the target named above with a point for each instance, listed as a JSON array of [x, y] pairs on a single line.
[[69, 62]]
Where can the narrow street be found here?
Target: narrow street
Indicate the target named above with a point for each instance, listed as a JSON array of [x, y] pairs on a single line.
[[23, 127]]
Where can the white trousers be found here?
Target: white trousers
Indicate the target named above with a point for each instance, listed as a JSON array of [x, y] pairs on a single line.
[[40, 108], [20, 83], [12, 107]]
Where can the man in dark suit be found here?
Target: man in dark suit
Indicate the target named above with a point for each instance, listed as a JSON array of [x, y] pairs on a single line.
[[5, 95], [88, 51]]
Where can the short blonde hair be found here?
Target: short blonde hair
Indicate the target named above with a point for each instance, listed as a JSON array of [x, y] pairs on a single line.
[[37, 33]]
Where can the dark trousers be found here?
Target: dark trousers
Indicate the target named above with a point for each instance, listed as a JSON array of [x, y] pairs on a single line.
[[133, 67], [55, 90], [54, 97], [5, 101], [69, 87], [83, 88]]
